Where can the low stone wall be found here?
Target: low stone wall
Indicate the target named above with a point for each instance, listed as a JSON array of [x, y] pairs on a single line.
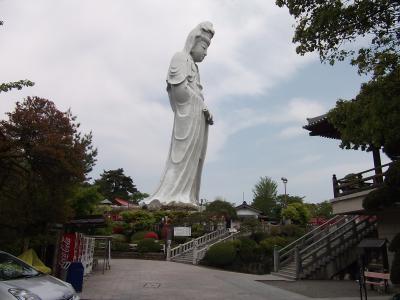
[[136, 255]]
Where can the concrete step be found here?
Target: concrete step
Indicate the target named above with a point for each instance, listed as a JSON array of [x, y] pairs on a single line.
[[286, 276]]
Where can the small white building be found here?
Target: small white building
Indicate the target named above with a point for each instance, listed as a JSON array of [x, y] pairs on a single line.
[[245, 211]]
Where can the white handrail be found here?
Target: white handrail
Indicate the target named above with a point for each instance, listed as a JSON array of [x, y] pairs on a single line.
[[200, 241]]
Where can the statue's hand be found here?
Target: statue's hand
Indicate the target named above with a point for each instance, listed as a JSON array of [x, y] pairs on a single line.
[[209, 116]]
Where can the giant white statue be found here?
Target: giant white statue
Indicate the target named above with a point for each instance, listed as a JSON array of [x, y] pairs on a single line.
[[180, 181]]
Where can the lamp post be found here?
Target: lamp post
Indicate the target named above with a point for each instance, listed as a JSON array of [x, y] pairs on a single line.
[[284, 180]]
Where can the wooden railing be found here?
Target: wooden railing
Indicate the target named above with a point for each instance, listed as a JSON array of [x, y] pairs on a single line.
[[207, 238], [285, 255], [358, 182]]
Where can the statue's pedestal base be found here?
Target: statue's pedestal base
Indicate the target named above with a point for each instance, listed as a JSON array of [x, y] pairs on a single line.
[[157, 205]]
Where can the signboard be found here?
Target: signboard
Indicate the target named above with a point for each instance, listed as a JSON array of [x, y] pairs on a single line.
[[182, 231]]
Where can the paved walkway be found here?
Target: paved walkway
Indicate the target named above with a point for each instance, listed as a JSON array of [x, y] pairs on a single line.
[[148, 279]]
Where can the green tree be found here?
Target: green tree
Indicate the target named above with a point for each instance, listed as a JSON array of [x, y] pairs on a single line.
[[283, 201], [264, 195], [372, 119], [329, 27], [42, 157], [5, 87], [221, 208], [322, 209], [115, 184], [297, 212], [84, 199]]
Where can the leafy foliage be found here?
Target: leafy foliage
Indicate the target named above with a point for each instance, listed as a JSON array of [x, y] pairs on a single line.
[[221, 208], [269, 243], [297, 212], [84, 199], [283, 201], [395, 244], [148, 245], [140, 219], [388, 194], [329, 26], [43, 157], [115, 184], [264, 195], [372, 119], [323, 209], [221, 254], [5, 87]]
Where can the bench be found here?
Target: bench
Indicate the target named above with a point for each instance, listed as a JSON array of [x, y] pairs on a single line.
[[377, 279]]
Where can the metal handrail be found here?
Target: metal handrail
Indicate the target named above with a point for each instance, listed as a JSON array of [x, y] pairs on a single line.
[[328, 235], [309, 233], [367, 222]]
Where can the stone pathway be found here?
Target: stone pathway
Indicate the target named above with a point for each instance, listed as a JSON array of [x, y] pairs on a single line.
[[148, 279]]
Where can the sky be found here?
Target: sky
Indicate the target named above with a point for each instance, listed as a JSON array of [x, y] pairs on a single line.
[[108, 60]]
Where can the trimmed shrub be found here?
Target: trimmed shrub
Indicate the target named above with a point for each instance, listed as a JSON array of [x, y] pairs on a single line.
[[137, 236], [292, 230], [395, 244], [382, 197], [247, 250], [258, 236], [148, 245], [275, 230], [222, 254], [151, 235], [395, 270], [119, 237], [269, 243], [392, 175], [119, 246], [181, 239]]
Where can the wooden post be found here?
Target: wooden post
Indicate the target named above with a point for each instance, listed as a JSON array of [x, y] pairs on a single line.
[[377, 166], [276, 259], [335, 186]]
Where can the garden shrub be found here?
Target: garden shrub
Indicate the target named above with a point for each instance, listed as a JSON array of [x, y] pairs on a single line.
[[275, 230], [247, 249], [395, 270], [118, 238], [392, 175], [181, 239], [395, 244], [137, 236], [258, 236], [148, 245], [292, 230], [382, 197], [151, 235], [222, 254], [269, 243], [119, 246]]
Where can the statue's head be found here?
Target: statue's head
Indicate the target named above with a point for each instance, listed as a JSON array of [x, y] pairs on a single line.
[[198, 41]]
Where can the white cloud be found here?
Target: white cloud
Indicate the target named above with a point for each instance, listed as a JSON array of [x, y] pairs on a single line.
[[291, 132], [108, 62]]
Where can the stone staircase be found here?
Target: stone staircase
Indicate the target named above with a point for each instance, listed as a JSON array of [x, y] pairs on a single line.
[[324, 251], [193, 251]]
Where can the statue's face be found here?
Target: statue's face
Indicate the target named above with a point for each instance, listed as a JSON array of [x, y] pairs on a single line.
[[199, 51]]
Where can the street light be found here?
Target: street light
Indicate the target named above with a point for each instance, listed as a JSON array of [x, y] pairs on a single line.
[[284, 180]]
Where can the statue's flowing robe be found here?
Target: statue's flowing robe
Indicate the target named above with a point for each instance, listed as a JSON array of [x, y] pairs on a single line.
[[180, 181]]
